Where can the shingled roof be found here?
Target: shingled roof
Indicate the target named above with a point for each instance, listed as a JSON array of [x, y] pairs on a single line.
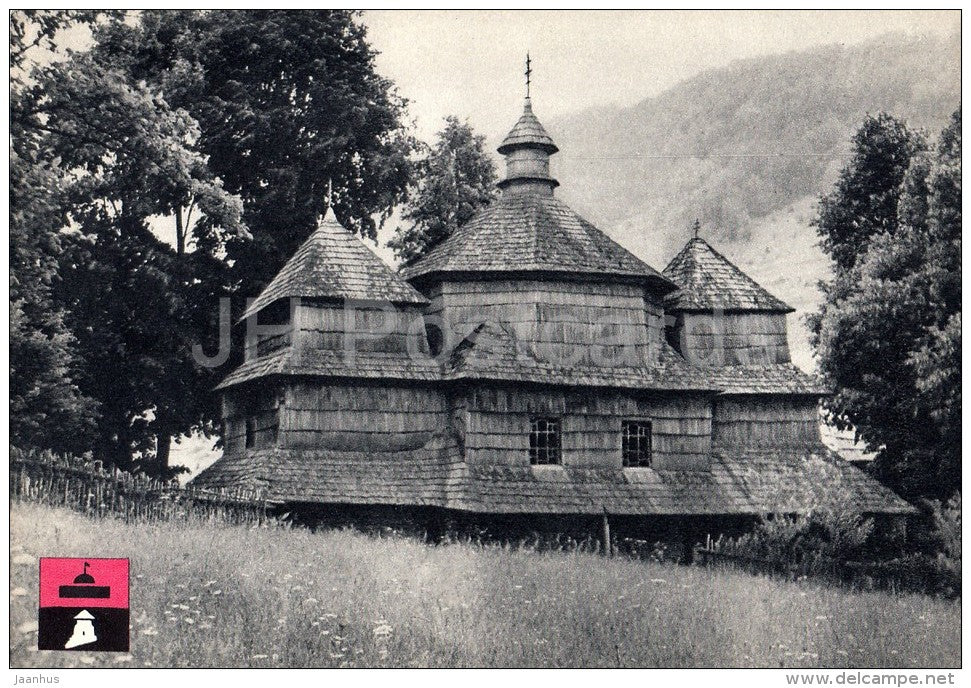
[[333, 263], [533, 233], [326, 363], [492, 352], [527, 133], [708, 280], [741, 483], [770, 378]]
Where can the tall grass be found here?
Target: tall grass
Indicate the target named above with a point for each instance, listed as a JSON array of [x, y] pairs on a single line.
[[234, 596]]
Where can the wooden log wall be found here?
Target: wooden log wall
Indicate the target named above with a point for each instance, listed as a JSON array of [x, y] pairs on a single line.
[[387, 330], [563, 322], [360, 417], [731, 338], [765, 421], [262, 404], [499, 422]]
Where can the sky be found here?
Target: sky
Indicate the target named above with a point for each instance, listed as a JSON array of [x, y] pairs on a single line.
[[470, 63]]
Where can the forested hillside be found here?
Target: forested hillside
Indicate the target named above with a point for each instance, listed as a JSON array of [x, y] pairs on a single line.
[[733, 145]]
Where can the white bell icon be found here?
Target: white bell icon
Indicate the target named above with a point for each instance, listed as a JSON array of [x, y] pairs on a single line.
[[83, 630]]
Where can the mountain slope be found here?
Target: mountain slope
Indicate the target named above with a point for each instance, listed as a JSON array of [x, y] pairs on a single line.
[[733, 145]]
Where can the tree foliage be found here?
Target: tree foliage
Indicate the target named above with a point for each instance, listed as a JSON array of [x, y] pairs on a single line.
[[864, 201], [888, 334], [116, 155], [288, 105], [455, 178], [47, 409]]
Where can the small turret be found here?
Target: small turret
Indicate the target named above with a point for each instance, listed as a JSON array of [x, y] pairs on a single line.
[[720, 316], [527, 149]]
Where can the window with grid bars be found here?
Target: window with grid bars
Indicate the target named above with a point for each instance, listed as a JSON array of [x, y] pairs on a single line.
[[636, 443], [544, 441]]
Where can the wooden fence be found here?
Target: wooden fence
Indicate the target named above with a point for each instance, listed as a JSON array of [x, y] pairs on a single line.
[[88, 487]]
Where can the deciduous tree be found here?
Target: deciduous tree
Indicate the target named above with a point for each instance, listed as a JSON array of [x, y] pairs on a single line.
[[888, 334]]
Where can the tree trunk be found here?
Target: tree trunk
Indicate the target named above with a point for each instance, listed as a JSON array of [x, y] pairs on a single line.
[[162, 446], [179, 233]]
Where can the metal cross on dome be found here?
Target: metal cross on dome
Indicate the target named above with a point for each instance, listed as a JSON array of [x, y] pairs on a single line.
[[529, 71]]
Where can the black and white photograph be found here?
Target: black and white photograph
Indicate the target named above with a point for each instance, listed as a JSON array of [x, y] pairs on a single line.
[[485, 339]]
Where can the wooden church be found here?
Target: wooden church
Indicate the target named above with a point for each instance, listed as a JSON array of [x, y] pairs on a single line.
[[527, 372]]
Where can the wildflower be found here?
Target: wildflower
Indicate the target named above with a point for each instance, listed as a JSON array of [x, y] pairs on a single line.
[[383, 631]]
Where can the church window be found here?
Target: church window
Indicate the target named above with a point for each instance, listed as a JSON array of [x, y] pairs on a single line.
[[636, 443], [544, 441]]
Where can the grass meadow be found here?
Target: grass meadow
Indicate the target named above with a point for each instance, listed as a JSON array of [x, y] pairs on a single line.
[[208, 595]]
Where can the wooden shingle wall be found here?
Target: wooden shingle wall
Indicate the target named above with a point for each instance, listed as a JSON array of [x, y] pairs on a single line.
[[731, 338], [269, 330], [765, 421], [351, 416], [561, 322], [262, 404], [498, 420], [367, 327]]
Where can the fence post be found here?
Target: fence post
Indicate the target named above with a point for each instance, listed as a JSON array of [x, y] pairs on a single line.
[[607, 546]]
